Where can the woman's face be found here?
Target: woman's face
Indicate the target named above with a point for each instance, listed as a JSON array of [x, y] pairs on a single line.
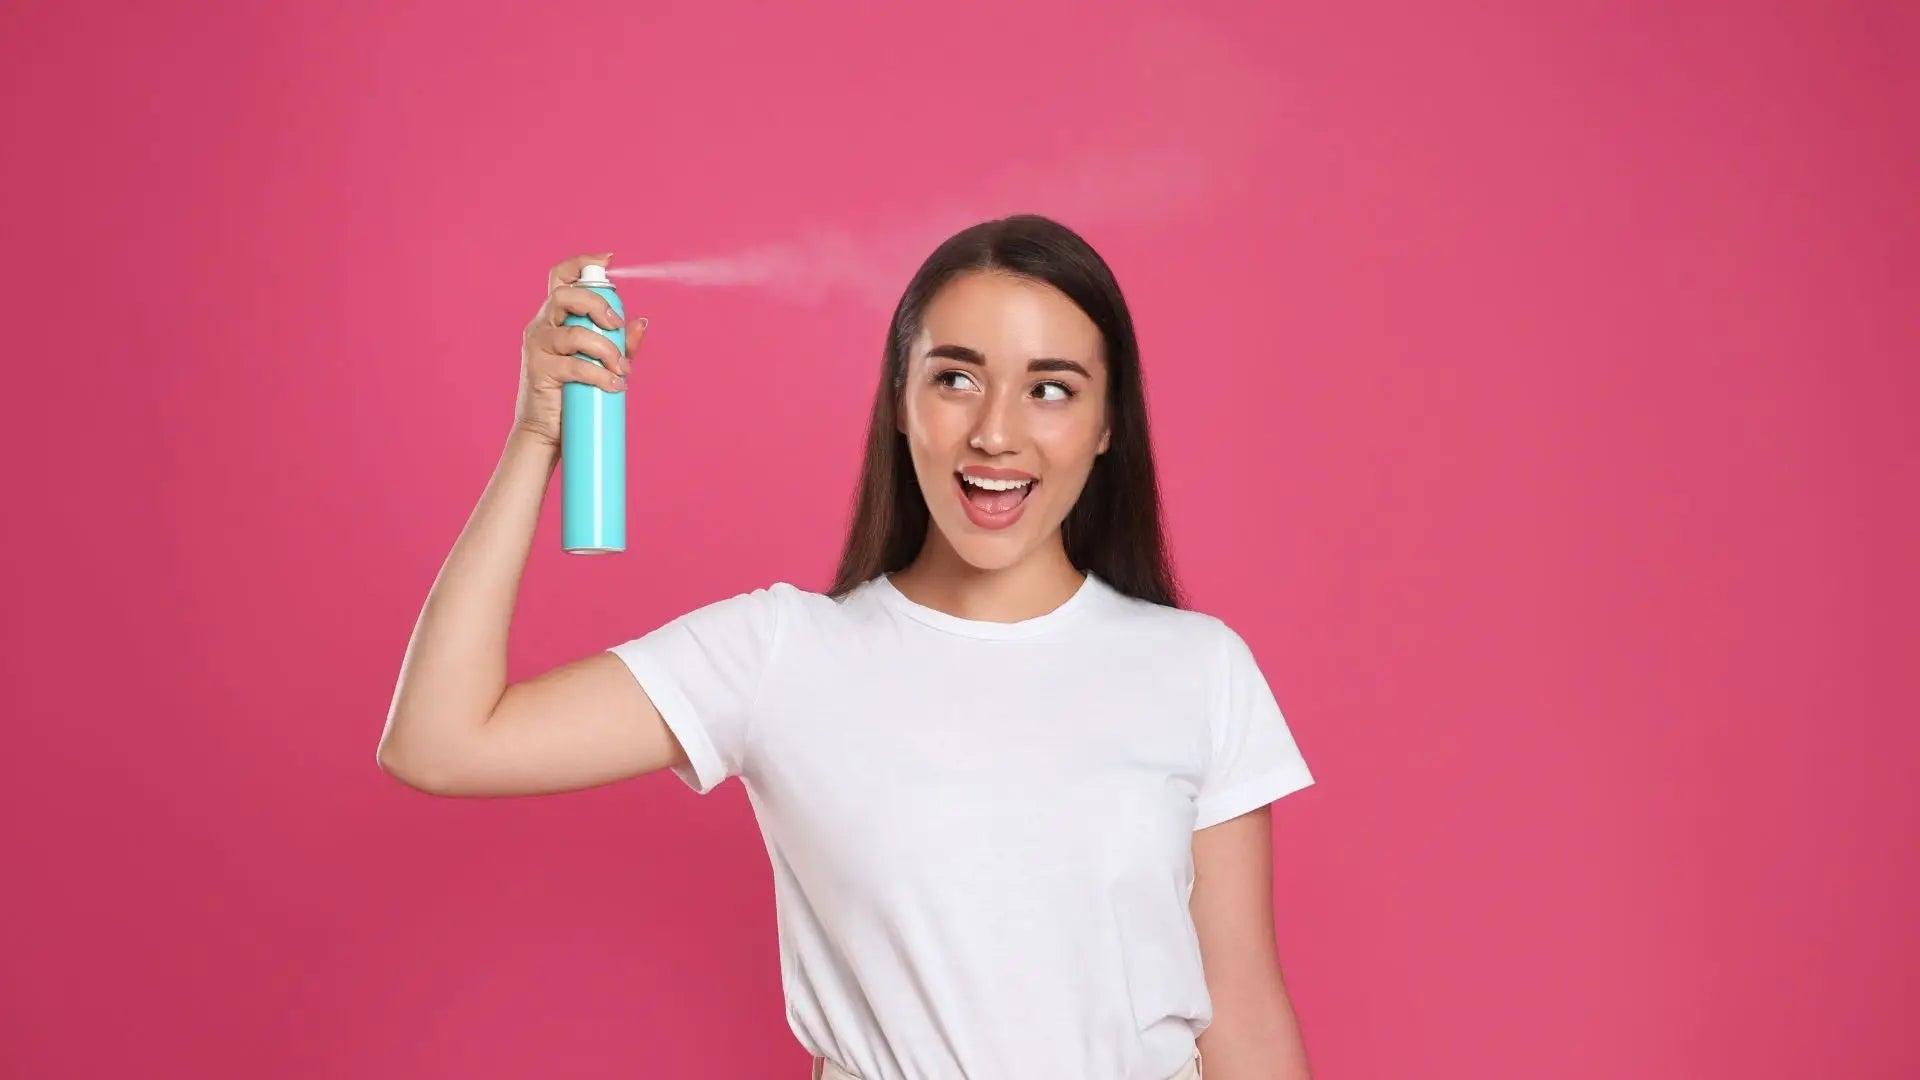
[[1004, 411]]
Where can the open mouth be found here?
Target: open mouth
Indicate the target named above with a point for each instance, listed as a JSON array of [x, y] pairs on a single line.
[[993, 502]]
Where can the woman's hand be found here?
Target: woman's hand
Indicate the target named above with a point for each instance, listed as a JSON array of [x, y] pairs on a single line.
[[547, 349]]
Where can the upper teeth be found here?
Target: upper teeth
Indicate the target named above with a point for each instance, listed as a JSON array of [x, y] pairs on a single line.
[[994, 485]]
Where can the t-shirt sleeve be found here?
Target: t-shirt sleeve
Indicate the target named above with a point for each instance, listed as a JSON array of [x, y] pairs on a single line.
[[703, 671], [1254, 759]]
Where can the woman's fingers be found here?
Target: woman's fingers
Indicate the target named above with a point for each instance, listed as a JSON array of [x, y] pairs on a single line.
[[568, 340], [578, 370], [573, 300]]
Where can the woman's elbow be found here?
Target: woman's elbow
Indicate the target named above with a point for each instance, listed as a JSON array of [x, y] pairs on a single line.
[[410, 769]]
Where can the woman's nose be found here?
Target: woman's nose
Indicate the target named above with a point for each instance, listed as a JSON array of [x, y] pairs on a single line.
[[993, 427]]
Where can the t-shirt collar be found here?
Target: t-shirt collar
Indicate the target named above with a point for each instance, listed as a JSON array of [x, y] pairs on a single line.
[[1083, 597]]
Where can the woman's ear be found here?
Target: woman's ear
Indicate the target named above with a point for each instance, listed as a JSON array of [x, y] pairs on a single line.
[[1106, 438]]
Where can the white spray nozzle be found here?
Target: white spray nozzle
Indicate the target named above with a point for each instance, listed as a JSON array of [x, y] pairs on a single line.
[[593, 274]]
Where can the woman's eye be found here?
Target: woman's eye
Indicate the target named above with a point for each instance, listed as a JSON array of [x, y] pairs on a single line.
[[946, 379], [1053, 391]]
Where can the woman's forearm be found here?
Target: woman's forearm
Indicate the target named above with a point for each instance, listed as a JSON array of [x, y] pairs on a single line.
[[455, 667]]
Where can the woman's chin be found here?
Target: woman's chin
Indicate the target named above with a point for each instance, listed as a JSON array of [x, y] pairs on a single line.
[[988, 551]]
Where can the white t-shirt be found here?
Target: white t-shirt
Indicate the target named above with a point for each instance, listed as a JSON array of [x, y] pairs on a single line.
[[981, 833]]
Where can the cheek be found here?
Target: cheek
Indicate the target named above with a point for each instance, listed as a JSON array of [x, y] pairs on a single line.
[[929, 427], [1072, 442]]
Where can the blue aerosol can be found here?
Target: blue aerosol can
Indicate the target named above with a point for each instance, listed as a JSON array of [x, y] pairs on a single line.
[[593, 444]]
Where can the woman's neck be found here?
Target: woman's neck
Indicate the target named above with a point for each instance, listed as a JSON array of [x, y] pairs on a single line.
[[940, 579]]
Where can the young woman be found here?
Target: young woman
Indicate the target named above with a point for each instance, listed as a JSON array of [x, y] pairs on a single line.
[[1014, 795]]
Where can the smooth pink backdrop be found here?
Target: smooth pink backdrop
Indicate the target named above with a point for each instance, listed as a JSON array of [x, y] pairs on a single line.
[[1530, 384]]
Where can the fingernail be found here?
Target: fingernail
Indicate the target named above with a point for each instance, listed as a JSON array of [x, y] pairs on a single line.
[[619, 382]]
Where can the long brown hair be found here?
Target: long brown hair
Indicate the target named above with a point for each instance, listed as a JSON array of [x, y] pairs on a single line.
[[1114, 529]]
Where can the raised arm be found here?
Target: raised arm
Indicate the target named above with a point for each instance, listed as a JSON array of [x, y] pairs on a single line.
[[455, 726]]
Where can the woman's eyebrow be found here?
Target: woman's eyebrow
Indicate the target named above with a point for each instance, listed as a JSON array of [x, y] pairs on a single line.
[[972, 356], [957, 352], [1051, 364]]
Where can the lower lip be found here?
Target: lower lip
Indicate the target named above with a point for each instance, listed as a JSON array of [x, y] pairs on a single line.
[[987, 520]]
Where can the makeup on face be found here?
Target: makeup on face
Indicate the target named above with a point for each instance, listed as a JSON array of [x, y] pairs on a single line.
[[1004, 411]]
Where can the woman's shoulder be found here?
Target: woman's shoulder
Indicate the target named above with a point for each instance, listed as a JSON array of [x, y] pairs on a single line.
[[767, 603], [793, 600], [777, 596], [1189, 623]]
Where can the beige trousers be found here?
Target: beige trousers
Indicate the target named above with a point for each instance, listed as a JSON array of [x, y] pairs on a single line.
[[827, 1070]]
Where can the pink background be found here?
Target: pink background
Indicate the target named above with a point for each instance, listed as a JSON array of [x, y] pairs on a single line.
[[1529, 388]]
